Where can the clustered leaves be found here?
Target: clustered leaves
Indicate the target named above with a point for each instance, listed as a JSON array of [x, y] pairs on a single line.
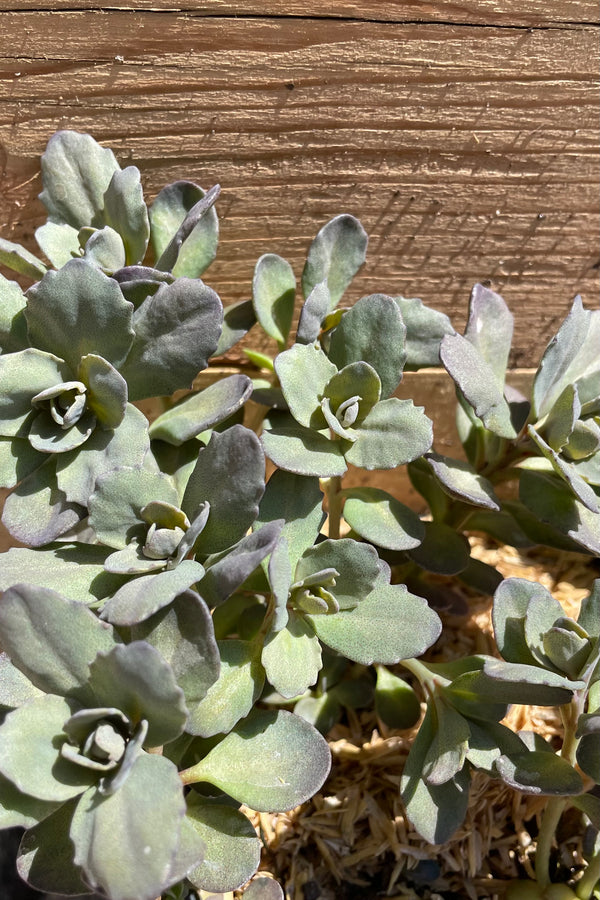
[[178, 630]]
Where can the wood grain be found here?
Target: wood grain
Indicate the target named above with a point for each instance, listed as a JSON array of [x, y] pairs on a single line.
[[463, 134]]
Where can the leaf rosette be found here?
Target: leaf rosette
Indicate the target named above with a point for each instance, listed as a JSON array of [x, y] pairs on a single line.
[[89, 709]]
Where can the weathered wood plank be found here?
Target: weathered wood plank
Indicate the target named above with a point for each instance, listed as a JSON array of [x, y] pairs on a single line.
[[469, 153], [472, 12]]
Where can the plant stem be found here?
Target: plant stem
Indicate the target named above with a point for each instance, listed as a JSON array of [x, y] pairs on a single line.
[[550, 820], [556, 806], [334, 504], [591, 876]]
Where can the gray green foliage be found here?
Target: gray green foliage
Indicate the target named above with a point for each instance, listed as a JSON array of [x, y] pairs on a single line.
[[186, 619]]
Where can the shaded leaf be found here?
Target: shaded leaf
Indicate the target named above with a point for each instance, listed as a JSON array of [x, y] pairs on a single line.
[[176, 332], [238, 319], [17, 258], [313, 312], [125, 211], [45, 859], [232, 847], [51, 639], [381, 519], [443, 550], [554, 504], [298, 500], [185, 225], [425, 328], [462, 482], [539, 772], [396, 703]]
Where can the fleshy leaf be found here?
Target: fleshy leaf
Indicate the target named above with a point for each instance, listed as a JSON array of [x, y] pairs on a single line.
[[273, 291], [44, 370], [582, 490], [264, 888], [107, 390], [292, 657], [75, 571], [176, 332], [396, 703], [130, 855], [357, 565], [41, 771], [554, 504], [372, 331], [105, 450], [233, 695], [125, 211], [315, 308], [393, 433], [15, 688], [201, 411], [59, 242], [79, 310], [226, 574], [139, 598], [443, 550], [45, 858], [17, 258], [539, 772], [195, 246], [119, 496], [447, 752], [390, 624], [184, 636], [137, 680], [104, 248], [272, 761], [381, 519], [51, 639], [518, 683], [21, 810], [490, 328], [425, 328], [511, 602], [230, 475], [304, 373], [297, 500], [13, 327], [477, 381], [232, 847], [335, 256], [76, 172], [37, 511], [435, 810], [571, 354], [304, 452], [238, 319], [462, 482]]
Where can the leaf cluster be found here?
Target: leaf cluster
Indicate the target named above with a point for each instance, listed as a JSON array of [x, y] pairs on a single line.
[[179, 630]]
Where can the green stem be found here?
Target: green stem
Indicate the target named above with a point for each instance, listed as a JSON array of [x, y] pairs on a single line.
[[334, 505], [550, 820], [591, 876], [556, 806]]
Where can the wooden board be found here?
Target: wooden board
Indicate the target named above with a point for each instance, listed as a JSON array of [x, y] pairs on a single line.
[[463, 134]]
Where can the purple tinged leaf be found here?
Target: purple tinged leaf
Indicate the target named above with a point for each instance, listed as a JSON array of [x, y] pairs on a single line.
[[478, 382], [201, 411]]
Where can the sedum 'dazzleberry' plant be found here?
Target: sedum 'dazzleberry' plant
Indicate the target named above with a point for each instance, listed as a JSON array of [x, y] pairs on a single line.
[[179, 630]]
